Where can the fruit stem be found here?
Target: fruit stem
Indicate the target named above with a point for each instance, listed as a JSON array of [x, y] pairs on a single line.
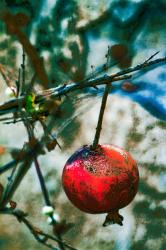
[[101, 114]]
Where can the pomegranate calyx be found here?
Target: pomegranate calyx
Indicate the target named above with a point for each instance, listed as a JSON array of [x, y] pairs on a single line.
[[113, 217]]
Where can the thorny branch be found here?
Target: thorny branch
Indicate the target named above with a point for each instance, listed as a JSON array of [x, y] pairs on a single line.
[[13, 105], [38, 234]]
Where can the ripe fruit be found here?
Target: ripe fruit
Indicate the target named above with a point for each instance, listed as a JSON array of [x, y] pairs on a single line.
[[101, 180]]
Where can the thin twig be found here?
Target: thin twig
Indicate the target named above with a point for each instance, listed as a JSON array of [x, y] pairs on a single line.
[[139, 67], [42, 182], [8, 166], [101, 114], [22, 170], [23, 73], [47, 132], [150, 58], [18, 82], [10, 180], [37, 233]]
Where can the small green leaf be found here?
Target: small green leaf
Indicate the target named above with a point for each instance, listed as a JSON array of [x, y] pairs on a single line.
[[30, 103]]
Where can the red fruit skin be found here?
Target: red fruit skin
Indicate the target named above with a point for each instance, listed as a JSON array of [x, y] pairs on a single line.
[[101, 180]]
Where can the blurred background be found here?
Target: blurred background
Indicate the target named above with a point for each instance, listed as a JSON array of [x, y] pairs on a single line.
[[73, 38]]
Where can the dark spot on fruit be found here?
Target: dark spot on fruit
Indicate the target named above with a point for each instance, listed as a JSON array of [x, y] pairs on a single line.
[[91, 169]]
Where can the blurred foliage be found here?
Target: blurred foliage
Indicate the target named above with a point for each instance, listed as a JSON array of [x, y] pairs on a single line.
[[63, 37]]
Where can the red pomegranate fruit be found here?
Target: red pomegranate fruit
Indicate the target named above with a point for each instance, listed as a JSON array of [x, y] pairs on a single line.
[[101, 180]]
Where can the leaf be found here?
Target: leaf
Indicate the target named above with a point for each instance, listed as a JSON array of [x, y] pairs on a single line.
[[120, 53], [30, 103], [13, 204], [51, 145], [128, 87]]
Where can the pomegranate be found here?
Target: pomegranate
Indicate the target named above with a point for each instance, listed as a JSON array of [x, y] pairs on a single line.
[[101, 180]]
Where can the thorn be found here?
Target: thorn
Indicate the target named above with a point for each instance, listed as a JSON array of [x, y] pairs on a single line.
[[67, 96], [92, 68], [151, 57]]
